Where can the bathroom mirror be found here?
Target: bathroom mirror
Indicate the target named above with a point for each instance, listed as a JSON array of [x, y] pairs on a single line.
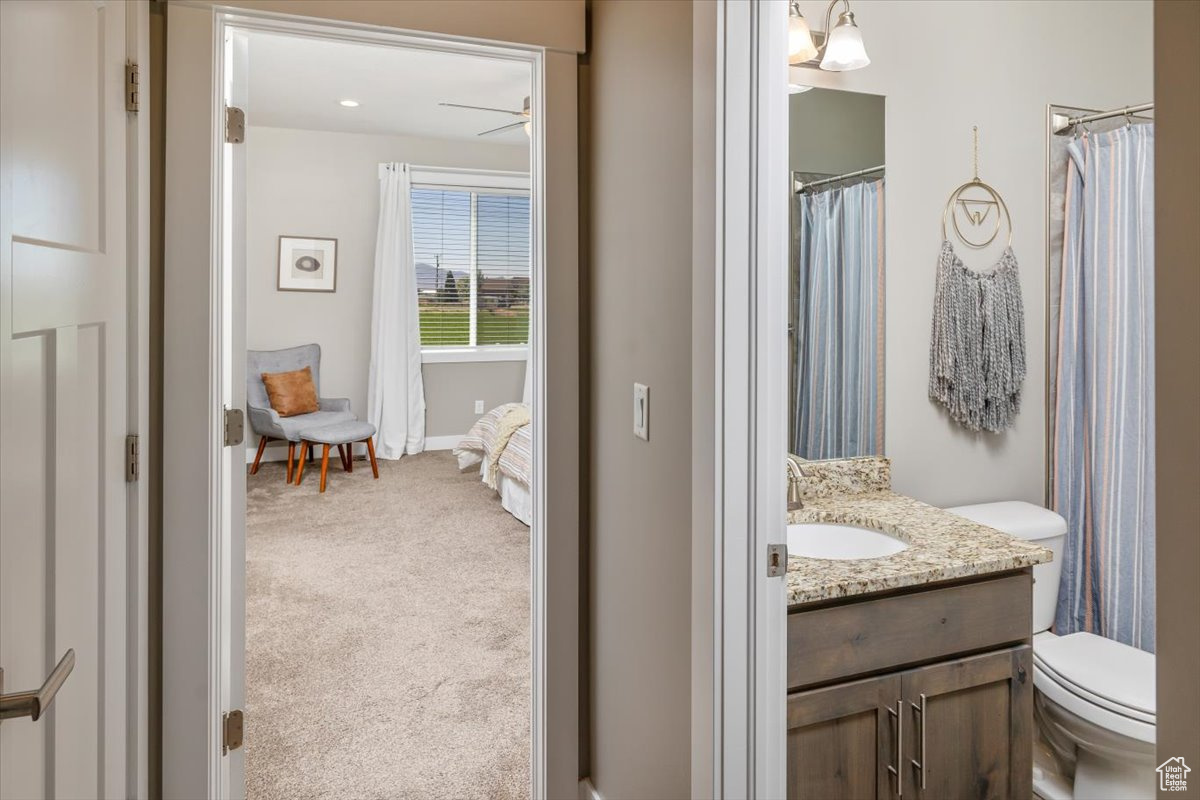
[[836, 280]]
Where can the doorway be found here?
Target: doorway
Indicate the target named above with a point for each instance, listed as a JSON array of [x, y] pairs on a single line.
[[439, 188]]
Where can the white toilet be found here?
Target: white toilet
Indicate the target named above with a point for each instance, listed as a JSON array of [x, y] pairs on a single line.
[[1093, 698]]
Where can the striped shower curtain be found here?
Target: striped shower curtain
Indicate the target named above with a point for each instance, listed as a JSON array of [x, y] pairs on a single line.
[[1103, 462], [837, 325]]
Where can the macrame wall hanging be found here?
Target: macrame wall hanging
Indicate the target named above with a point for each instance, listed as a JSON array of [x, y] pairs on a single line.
[[977, 348]]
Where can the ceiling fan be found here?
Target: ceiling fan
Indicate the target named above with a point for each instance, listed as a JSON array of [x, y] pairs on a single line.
[[523, 114]]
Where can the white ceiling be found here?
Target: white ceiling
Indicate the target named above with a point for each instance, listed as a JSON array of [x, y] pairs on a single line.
[[297, 82]]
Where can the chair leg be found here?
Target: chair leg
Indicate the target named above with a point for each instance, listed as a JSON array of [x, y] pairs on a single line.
[[350, 457], [292, 459], [324, 466], [371, 453], [262, 445], [300, 464], [342, 456]]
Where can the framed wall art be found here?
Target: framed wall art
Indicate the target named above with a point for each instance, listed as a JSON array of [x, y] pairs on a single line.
[[307, 264]]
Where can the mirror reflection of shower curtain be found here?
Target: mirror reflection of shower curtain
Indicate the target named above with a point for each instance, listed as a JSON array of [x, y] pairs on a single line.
[[837, 342], [1102, 464]]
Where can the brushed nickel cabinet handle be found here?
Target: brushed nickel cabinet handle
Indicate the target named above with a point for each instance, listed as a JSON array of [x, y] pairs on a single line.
[[920, 765], [34, 704], [896, 713]]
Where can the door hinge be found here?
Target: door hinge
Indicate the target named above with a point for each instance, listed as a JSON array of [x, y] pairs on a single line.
[[132, 86], [235, 125], [231, 730], [776, 560], [235, 426], [131, 458]]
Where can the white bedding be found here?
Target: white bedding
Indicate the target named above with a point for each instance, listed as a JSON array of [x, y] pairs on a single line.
[[515, 498], [511, 484]]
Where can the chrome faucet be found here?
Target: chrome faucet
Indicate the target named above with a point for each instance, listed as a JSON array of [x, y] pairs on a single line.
[[795, 474]]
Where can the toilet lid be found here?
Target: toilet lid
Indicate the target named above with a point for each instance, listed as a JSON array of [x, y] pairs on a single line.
[[1111, 674]]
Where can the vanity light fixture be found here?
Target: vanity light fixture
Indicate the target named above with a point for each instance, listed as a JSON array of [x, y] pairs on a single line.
[[348, 103], [842, 47], [800, 41]]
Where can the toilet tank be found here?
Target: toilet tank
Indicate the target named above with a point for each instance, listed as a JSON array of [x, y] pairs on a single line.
[[1035, 524]]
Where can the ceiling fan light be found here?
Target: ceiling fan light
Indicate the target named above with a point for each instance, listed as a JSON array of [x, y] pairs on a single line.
[[528, 128], [844, 48], [800, 41]]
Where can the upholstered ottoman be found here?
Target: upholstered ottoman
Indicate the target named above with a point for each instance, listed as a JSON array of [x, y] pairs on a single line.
[[343, 435]]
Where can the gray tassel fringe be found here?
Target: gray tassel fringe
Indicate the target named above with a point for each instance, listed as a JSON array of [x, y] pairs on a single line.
[[977, 351]]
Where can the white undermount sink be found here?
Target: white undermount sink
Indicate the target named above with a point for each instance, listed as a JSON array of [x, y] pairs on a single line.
[[840, 542]]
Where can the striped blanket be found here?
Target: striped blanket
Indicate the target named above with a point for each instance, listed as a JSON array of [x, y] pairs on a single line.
[[501, 441], [516, 461]]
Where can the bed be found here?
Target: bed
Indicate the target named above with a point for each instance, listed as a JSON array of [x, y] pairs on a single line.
[[501, 444]]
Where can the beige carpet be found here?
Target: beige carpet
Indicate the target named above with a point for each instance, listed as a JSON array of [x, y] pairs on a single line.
[[387, 636]]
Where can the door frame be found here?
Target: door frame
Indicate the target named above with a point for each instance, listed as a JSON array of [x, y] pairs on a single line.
[[750, 609], [196, 669], [137, 576]]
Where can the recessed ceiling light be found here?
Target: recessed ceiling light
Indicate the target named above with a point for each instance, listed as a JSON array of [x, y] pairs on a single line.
[[348, 103]]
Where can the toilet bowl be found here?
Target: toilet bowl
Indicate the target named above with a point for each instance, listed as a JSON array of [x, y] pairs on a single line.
[[1094, 697]]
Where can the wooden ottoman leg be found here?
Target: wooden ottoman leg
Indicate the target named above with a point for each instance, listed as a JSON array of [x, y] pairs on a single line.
[[262, 445], [324, 466], [371, 453], [291, 459]]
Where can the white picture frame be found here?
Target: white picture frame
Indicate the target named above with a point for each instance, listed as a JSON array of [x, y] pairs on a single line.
[[306, 264]]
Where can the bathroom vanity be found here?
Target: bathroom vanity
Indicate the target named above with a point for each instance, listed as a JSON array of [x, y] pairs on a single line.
[[909, 674]]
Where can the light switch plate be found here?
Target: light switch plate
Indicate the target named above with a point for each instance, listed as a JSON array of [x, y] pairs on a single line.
[[641, 411], [478, 406]]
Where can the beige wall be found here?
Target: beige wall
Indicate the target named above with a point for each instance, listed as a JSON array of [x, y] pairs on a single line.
[[996, 65], [704, 349], [556, 25], [283, 165], [1177, 342], [640, 66]]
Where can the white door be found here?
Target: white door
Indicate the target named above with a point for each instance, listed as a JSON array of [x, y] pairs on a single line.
[[64, 277]]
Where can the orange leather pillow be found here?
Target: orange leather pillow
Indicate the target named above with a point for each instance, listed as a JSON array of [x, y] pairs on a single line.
[[292, 393]]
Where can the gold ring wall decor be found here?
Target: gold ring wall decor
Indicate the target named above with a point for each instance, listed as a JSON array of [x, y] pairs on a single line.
[[977, 210]]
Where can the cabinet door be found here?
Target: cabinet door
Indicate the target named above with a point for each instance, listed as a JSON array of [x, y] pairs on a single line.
[[841, 741], [968, 728]]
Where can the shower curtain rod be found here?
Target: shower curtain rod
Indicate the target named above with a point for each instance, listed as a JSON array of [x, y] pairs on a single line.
[[799, 185], [1062, 123]]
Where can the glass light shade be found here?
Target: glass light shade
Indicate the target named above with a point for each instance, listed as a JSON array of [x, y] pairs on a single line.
[[800, 41], [528, 126], [844, 49]]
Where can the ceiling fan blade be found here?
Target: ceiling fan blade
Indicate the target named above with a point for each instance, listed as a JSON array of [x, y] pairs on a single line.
[[484, 108], [502, 128]]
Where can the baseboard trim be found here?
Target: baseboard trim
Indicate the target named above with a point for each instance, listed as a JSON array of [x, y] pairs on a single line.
[[587, 791], [442, 442]]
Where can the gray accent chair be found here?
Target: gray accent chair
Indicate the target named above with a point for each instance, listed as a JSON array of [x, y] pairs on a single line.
[[265, 421]]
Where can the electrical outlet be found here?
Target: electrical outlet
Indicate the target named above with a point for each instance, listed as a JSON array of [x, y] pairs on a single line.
[[641, 411], [478, 406]]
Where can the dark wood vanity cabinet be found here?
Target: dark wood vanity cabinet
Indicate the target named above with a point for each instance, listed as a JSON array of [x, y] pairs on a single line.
[[956, 729], [841, 740]]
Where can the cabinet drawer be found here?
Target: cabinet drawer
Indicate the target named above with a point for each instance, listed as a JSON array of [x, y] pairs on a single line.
[[858, 638]]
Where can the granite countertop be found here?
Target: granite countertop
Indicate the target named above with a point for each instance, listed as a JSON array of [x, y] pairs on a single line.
[[941, 545]]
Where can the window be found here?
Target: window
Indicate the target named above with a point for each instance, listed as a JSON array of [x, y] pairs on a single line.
[[471, 250]]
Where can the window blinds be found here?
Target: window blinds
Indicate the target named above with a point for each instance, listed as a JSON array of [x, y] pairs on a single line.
[[471, 255]]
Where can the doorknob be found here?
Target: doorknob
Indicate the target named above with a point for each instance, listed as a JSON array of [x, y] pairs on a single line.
[[34, 704]]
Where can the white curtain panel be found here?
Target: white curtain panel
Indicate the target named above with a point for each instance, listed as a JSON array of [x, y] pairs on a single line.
[[395, 391]]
